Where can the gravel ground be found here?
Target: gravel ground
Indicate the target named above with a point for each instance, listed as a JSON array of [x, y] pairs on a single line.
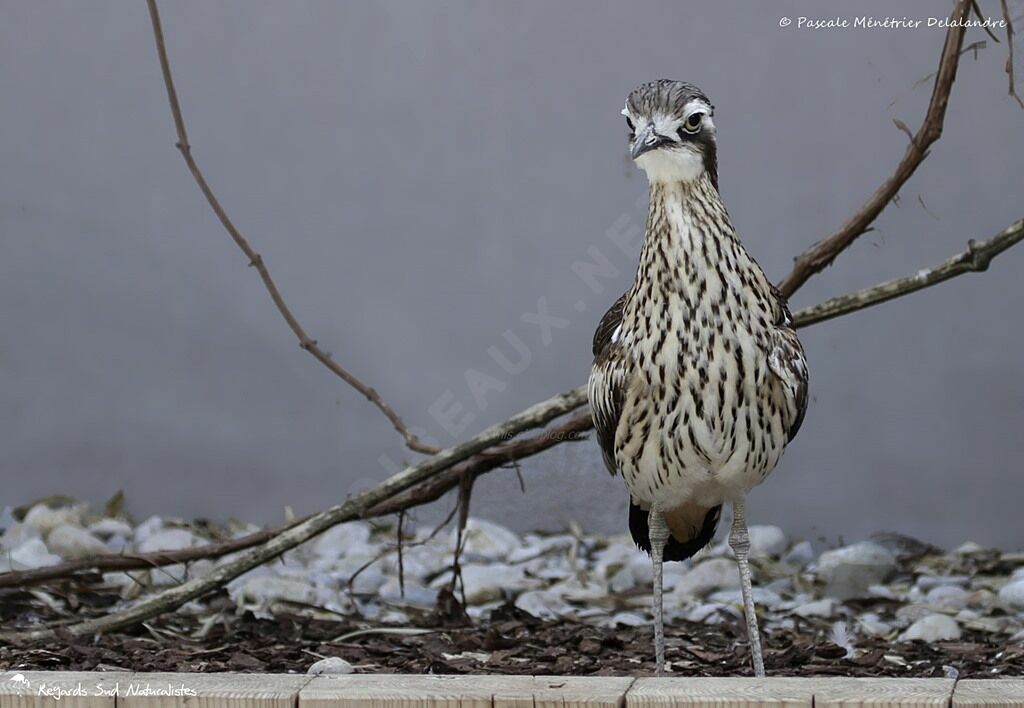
[[564, 604]]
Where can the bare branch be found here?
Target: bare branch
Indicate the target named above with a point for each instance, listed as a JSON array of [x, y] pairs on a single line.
[[974, 260], [256, 260], [821, 254]]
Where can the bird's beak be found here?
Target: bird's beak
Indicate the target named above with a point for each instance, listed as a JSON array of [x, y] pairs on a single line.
[[646, 140]]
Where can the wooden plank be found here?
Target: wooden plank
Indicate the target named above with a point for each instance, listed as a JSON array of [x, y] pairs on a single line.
[[778, 692], [1003, 693], [60, 689], [169, 690], [906, 693], [567, 692], [407, 691], [400, 691]]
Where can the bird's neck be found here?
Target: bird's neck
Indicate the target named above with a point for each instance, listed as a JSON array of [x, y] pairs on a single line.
[[688, 235]]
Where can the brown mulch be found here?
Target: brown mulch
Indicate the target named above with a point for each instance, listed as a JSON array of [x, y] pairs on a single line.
[[510, 641]]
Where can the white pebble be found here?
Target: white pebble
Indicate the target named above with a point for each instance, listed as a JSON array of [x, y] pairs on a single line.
[[46, 519], [32, 554], [1013, 593], [330, 665], [767, 541], [72, 542], [168, 540], [932, 628]]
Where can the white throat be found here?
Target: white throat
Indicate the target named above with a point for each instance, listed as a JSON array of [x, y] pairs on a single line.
[[671, 165]]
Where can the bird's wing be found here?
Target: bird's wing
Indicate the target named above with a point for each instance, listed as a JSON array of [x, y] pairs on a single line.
[[608, 379], [787, 362]]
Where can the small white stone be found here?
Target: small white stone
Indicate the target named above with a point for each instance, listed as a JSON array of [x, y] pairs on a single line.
[[487, 539], [932, 628], [46, 519], [628, 619], [800, 555], [948, 597], [767, 541], [485, 582], [369, 581], [908, 614], [32, 554], [543, 604], [622, 581], [332, 665], [574, 590], [343, 540], [168, 540], [712, 574], [825, 607], [147, 528], [415, 594], [1013, 594], [71, 542], [762, 597], [927, 582], [18, 534], [105, 528], [850, 570], [169, 575], [873, 625], [537, 547], [968, 548], [711, 613], [266, 588]]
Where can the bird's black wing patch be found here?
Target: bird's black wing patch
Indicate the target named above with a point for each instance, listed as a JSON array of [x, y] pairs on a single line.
[[607, 384]]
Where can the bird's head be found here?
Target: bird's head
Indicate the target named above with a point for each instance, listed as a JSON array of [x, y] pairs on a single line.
[[671, 134]]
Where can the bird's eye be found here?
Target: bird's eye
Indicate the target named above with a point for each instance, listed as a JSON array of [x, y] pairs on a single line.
[[692, 123], [630, 124]]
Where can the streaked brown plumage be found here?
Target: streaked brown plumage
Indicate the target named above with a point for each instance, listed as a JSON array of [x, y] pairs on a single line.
[[699, 380]]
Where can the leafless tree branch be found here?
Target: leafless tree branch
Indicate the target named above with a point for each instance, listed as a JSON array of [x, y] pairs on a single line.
[[975, 259], [256, 260], [820, 255]]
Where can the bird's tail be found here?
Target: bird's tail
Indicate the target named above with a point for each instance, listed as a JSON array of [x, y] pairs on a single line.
[[691, 528]]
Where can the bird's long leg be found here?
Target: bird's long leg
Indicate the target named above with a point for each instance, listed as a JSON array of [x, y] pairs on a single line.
[[658, 534], [739, 540]]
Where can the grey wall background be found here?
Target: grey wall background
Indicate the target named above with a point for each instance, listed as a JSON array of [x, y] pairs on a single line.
[[417, 176]]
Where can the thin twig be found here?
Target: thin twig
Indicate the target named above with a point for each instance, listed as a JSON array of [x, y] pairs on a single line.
[[401, 555], [821, 254], [1009, 54], [256, 260], [981, 19]]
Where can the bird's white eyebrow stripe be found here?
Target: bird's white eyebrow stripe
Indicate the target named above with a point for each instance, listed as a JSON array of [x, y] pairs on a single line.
[[694, 107]]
